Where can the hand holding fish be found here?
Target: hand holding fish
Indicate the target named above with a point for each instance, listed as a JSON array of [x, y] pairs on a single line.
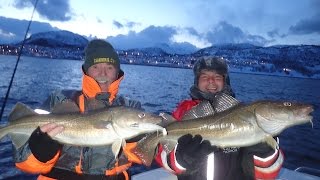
[[191, 151], [41, 144], [52, 129]]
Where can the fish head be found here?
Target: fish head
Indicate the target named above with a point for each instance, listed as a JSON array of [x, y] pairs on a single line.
[[275, 116], [130, 122]]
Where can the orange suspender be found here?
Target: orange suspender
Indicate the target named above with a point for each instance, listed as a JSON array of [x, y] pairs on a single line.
[[81, 103]]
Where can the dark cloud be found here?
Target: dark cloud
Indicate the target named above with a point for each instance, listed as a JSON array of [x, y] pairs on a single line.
[[117, 24], [307, 26], [152, 36], [132, 24], [128, 25], [275, 33], [158, 33], [225, 33], [13, 30], [192, 31], [146, 38], [57, 10], [20, 4]]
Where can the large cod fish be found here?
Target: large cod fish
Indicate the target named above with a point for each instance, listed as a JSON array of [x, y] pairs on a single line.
[[240, 126], [104, 127]]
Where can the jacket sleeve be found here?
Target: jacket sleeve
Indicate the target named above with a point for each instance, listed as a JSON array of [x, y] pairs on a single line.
[[134, 104], [268, 165], [267, 161], [39, 154], [128, 102], [168, 159]]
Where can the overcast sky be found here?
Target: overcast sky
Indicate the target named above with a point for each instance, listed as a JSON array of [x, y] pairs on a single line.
[[138, 23]]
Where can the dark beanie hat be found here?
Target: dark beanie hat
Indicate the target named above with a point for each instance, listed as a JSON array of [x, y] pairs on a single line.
[[210, 63], [100, 51]]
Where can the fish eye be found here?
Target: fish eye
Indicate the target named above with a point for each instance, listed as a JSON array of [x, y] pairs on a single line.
[[287, 104], [141, 115]]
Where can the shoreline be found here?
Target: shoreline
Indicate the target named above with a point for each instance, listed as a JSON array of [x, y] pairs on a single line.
[[231, 70]]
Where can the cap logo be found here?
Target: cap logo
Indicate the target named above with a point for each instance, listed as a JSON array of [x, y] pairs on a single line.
[[104, 60]]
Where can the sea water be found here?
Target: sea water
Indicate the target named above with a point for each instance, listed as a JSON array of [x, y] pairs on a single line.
[[159, 89]]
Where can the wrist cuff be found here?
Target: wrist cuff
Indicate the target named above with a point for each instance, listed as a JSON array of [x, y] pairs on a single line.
[[174, 163]]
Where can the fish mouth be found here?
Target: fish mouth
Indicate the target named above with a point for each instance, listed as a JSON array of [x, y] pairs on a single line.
[[308, 109], [305, 112], [147, 127], [158, 120], [164, 123], [304, 115]]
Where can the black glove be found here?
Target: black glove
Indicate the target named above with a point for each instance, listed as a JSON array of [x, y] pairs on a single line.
[[192, 151], [42, 146]]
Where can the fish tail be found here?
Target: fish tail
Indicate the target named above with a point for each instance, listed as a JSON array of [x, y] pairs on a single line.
[[3, 132], [146, 148]]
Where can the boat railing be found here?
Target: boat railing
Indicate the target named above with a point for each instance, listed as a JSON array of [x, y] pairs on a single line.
[[308, 170]]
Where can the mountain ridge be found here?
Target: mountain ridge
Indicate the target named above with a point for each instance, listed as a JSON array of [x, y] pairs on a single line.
[[304, 59]]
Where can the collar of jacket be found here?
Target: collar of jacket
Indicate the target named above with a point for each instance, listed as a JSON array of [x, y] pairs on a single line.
[[90, 87]]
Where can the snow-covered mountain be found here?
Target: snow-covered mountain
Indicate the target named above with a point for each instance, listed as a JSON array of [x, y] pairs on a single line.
[[152, 51], [177, 48], [307, 54], [52, 44], [57, 39], [304, 59], [288, 59]]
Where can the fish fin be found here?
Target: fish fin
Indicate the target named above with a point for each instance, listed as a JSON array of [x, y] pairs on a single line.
[[168, 145], [18, 140], [223, 102], [248, 118], [3, 132], [65, 107], [204, 108], [116, 146], [272, 142], [20, 110], [103, 125], [146, 148]]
